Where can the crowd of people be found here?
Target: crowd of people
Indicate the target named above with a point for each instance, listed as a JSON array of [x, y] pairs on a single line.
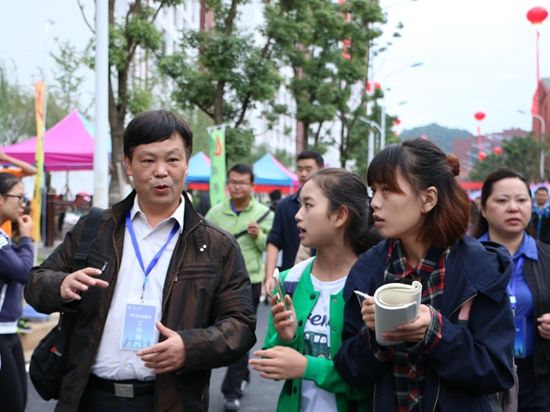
[[168, 294]]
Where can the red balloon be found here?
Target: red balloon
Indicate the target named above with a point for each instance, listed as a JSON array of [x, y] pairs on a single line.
[[497, 150], [537, 15], [479, 115], [481, 156]]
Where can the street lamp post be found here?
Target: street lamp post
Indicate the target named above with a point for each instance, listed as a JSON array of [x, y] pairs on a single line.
[[383, 106], [542, 133], [383, 123], [370, 144]]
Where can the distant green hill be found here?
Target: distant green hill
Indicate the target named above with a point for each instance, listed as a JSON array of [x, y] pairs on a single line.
[[440, 135]]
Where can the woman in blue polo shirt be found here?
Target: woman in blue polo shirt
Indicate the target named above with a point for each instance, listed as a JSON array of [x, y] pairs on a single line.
[[506, 210]]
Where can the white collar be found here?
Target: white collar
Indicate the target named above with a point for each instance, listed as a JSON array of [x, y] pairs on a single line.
[[178, 214]]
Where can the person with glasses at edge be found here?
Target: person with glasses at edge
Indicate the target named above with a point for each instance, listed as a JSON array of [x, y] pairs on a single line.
[[284, 235], [16, 261], [249, 221], [19, 169]]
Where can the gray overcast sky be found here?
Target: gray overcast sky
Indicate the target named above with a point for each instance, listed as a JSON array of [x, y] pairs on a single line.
[[23, 38], [477, 55]]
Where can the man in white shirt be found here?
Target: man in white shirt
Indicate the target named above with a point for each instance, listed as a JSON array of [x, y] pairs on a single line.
[[173, 298]]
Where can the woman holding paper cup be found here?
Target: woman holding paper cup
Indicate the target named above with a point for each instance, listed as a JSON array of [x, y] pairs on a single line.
[[505, 213], [434, 362], [302, 340]]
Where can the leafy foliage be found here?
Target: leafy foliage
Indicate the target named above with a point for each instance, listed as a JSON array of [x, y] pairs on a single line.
[[518, 153], [228, 77], [68, 76], [309, 36], [131, 39], [17, 112]]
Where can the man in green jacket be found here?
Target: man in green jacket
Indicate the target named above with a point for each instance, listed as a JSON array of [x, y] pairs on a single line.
[[250, 222]]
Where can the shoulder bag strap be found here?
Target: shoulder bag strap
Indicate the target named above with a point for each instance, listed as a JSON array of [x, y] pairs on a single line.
[[90, 226], [262, 217]]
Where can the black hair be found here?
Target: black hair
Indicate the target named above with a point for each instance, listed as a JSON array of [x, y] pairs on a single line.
[[343, 188], [311, 154], [424, 164], [156, 126], [541, 189], [242, 169], [487, 189], [7, 182]]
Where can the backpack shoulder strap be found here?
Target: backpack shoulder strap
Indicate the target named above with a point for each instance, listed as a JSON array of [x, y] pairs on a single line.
[[88, 232]]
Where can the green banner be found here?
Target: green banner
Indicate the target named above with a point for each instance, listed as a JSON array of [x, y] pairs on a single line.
[[216, 138]]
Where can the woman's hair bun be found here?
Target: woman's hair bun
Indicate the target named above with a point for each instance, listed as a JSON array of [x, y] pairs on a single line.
[[454, 163]]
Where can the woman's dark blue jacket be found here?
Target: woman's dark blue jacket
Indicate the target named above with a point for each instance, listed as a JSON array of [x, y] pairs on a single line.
[[470, 361]]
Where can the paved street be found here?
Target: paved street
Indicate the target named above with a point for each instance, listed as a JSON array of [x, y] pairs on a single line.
[[260, 395]]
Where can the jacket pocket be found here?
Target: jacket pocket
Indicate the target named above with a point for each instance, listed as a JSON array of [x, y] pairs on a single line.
[[192, 295]]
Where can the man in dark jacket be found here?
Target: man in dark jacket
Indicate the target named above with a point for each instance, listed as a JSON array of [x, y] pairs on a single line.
[[165, 297], [539, 227]]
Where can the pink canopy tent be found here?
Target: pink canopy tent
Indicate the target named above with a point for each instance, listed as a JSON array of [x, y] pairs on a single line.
[[69, 145]]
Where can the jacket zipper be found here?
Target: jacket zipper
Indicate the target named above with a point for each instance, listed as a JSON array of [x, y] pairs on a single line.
[[437, 394], [459, 306], [438, 379], [184, 240]]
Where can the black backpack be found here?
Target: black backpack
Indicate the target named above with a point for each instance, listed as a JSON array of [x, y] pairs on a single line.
[[47, 366]]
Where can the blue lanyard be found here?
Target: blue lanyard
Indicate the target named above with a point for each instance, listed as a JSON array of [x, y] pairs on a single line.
[[156, 258], [511, 288]]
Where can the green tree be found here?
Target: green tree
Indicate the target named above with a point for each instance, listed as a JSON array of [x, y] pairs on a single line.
[[229, 76], [309, 36], [199, 123], [17, 110], [68, 76], [517, 153], [133, 31]]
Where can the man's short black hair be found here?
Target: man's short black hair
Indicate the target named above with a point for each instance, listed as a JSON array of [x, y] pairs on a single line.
[[542, 188], [311, 154], [156, 126], [242, 169]]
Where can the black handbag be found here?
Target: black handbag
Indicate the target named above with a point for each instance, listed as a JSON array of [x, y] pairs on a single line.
[[47, 366]]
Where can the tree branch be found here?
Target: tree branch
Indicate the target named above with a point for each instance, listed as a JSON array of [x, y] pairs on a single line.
[[266, 53], [228, 29], [81, 7], [318, 133]]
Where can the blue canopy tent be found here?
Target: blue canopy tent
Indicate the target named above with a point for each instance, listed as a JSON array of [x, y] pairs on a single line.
[[270, 174], [199, 172]]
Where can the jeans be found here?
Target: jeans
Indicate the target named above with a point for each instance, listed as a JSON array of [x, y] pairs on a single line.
[[238, 371]]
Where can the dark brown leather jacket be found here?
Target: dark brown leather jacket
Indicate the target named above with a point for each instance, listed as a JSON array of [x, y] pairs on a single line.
[[206, 299]]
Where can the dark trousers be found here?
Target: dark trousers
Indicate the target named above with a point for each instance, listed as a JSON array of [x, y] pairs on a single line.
[[100, 396], [238, 371], [13, 378], [534, 392]]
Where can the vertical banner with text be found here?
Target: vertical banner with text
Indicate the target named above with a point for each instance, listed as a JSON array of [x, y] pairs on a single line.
[[216, 138], [39, 108]]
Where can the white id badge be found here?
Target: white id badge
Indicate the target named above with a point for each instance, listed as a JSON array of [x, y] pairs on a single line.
[[139, 329]]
